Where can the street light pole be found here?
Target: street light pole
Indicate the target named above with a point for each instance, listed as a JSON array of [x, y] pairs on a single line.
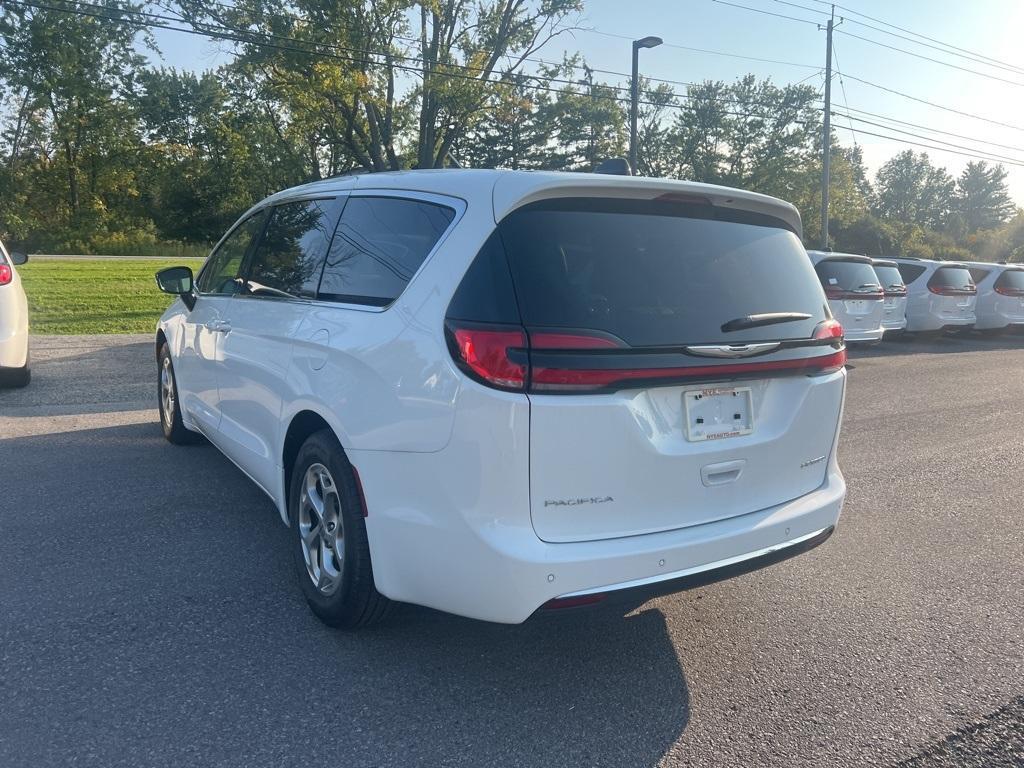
[[634, 95]]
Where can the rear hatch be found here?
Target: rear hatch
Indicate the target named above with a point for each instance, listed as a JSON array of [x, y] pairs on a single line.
[[853, 292], [1009, 289], [953, 293], [680, 360], [894, 289]]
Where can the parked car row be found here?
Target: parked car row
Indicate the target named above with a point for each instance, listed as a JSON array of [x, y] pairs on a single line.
[[872, 297]]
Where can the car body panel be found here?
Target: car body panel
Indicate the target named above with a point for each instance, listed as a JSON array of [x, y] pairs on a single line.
[[928, 311], [994, 310]]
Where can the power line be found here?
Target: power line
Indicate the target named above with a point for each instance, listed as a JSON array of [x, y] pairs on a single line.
[[930, 146], [992, 155], [934, 60], [953, 48], [766, 13], [934, 130], [842, 86], [933, 104]]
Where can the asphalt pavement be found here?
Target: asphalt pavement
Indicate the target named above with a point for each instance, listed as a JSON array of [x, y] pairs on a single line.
[[149, 614]]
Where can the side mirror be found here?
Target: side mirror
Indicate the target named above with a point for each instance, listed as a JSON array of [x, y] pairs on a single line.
[[177, 281], [18, 258]]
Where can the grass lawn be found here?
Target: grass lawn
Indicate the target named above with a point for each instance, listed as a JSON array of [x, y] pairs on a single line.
[[95, 295]]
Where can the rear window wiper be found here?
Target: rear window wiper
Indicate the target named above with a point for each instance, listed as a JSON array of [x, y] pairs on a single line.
[[765, 318]]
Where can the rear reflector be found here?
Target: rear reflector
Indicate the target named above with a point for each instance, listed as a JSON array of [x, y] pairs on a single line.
[[6, 274], [573, 602]]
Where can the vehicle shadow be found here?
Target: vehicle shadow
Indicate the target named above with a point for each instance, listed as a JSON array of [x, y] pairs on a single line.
[[176, 635], [916, 344], [111, 378]]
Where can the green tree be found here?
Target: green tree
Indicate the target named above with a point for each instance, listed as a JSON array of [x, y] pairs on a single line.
[[911, 190], [982, 200]]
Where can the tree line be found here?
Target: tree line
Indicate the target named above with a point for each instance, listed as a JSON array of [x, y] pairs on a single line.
[[103, 152]]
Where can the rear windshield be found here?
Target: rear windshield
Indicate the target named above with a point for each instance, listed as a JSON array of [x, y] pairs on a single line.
[[952, 277], [1011, 278], [889, 277], [657, 273], [847, 275]]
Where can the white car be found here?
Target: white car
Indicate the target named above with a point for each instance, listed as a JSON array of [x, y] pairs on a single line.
[[894, 306], [940, 295], [854, 294], [14, 362], [1000, 303], [489, 392]]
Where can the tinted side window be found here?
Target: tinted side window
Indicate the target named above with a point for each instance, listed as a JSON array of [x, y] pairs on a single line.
[[910, 272], [978, 274], [378, 246], [289, 257], [222, 270], [485, 294]]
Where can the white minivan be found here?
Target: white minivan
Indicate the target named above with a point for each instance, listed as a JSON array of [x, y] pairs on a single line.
[[14, 358], [490, 392], [1000, 303], [894, 305], [854, 294], [941, 295]]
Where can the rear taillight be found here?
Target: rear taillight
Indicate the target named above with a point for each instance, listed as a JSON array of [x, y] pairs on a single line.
[[946, 290], [578, 361], [832, 292], [831, 330], [6, 274], [486, 352]]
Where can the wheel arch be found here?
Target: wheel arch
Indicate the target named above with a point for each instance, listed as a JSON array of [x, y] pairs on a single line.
[[303, 424]]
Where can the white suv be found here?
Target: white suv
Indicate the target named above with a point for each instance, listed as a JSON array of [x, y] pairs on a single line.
[[940, 295], [894, 307], [494, 391], [14, 362]]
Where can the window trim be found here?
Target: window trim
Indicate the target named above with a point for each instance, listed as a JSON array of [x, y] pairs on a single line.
[[247, 261], [455, 203], [245, 256]]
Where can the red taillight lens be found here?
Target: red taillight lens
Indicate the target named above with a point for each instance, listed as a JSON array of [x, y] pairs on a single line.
[[549, 340], [6, 274], [945, 290], [486, 353], [828, 329]]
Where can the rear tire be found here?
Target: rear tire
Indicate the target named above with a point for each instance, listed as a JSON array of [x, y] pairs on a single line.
[[170, 409], [16, 378], [330, 546]]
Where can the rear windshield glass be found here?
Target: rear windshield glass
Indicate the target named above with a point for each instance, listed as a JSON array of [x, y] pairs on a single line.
[[847, 275], [952, 277], [889, 277], [1011, 278], [656, 273]]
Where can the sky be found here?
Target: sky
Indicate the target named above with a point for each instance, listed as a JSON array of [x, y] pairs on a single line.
[[991, 28]]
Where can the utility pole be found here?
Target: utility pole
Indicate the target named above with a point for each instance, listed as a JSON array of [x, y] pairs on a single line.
[[592, 142], [826, 136]]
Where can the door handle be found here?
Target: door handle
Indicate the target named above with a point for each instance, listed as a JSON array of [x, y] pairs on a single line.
[[218, 326], [720, 474]]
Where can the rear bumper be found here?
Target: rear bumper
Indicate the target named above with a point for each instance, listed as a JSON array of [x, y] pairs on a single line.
[[13, 346], [894, 325], [504, 573], [709, 573], [855, 335]]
